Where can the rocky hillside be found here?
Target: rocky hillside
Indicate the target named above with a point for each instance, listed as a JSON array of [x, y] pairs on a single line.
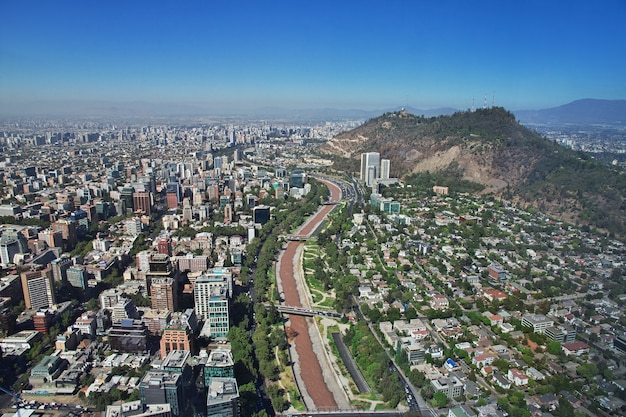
[[489, 147]]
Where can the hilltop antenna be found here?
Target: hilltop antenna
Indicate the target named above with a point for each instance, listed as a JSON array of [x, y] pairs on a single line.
[[493, 99], [473, 108], [485, 103]]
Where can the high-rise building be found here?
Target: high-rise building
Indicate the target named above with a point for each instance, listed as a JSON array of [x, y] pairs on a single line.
[[59, 268], [103, 210], [261, 214], [232, 185], [177, 361], [53, 239], [126, 195], [160, 263], [213, 192], [192, 263], [42, 321], [133, 226], [162, 387], [162, 274], [218, 162], [124, 309], [370, 160], [372, 175], [69, 232], [142, 202], [219, 364], [164, 246], [223, 397], [81, 219], [198, 197], [149, 182], [297, 179], [12, 242], [91, 212], [538, 322], [174, 195], [38, 288], [561, 333], [164, 293], [9, 247], [176, 337], [212, 292], [228, 214], [77, 276], [187, 211], [110, 298], [385, 166], [129, 336]]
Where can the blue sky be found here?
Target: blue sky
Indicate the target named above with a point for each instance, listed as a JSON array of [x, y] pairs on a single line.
[[316, 54]]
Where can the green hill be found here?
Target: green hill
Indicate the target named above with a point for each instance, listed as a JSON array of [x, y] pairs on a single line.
[[489, 148]]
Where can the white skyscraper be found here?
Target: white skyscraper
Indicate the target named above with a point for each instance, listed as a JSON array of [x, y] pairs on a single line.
[[370, 167], [384, 169], [212, 292]]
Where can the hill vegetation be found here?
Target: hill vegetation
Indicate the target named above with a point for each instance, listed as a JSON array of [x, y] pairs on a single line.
[[490, 149]]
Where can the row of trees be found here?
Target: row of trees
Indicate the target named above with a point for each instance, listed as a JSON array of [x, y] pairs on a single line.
[[373, 361]]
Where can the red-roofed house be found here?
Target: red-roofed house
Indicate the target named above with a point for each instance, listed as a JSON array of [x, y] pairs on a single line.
[[486, 371], [496, 319], [493, 294], [439, 302], [483, 359], [575, 348], [518, 377]]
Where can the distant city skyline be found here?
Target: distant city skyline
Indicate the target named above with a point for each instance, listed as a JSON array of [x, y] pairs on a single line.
[[229, 57]]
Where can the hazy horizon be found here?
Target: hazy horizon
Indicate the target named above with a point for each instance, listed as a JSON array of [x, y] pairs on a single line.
[[248, 57]]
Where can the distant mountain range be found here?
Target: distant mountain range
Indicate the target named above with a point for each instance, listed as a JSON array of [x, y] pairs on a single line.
[[585, 111], [581, 112], [148, 110]]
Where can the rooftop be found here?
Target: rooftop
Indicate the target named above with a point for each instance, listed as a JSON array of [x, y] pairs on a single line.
[[176, 359], [222, 389]]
